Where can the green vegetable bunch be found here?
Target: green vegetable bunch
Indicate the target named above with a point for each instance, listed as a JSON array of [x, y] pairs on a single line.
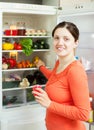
[[27, 45]]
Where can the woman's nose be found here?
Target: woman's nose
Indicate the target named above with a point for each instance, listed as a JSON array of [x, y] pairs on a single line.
[[61, 41]]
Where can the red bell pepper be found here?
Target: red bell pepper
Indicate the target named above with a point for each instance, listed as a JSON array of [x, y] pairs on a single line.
[[11, 62], [17, 46]]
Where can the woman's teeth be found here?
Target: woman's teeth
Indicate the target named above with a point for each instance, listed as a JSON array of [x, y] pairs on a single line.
[[60, 49]]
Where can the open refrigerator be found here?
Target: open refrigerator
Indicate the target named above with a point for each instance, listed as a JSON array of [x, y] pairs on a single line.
[[18, 108], [37, 21]]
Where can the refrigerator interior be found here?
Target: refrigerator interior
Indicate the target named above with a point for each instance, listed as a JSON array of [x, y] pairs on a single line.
[[37, 22], [85, 50], [32, 21]]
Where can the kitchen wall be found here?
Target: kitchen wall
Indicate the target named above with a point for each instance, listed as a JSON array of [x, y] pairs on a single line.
[[23, 1]]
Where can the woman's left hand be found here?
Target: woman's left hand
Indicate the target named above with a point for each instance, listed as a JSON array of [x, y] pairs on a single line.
[[42, 97]]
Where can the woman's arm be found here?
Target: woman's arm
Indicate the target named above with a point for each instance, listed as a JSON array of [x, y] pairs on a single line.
[[45, 71], [41, 65]]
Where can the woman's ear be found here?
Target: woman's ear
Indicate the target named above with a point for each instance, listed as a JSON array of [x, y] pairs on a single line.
[[76, 43]]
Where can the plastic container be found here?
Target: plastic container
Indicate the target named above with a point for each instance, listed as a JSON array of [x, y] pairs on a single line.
[[11, 32], [10, 84]]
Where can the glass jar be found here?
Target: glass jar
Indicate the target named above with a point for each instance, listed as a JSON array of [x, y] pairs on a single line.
[[13, 29], [21, 28], [6, 30]]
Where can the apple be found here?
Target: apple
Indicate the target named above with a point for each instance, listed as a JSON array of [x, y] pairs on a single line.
[[34, 88]]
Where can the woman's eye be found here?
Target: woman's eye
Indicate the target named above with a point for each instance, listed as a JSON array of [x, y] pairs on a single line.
[[66, 39], [56, 38]]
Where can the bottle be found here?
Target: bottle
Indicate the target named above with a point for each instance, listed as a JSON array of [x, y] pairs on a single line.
[[21, 28]]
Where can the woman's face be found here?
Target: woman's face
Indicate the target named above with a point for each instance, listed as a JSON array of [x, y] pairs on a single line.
[[64, 43]]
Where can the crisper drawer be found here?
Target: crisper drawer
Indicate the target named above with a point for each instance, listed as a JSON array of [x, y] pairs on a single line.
[[24, 118], [25, 125]]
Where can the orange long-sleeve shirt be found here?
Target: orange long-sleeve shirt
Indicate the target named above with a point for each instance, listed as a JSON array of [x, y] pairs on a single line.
[[69, 93]]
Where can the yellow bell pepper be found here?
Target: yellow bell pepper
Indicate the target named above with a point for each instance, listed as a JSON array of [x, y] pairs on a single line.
[[7, 46]]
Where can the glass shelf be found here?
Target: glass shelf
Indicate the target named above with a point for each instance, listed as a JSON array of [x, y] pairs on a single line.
[[19, 88], [26, 36], [36, 50]]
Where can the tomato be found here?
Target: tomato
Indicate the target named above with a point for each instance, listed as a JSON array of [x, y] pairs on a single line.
[[17, 46]]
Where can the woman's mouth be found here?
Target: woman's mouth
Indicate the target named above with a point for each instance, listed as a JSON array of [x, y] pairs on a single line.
[[60, 48]]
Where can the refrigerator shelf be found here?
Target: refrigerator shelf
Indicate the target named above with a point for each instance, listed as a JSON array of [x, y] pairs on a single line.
[[36, 50], [26, 36], [19, 88]]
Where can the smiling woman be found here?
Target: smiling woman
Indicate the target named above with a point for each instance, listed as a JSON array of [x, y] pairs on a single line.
[[66, 83]]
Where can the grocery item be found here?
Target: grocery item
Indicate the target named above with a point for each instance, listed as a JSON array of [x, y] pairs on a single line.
[[7, 46], [34, 88], [21, 28]]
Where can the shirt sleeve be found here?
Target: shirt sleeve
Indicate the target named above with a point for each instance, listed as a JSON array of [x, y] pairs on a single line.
[[45, 71], [78, 86]]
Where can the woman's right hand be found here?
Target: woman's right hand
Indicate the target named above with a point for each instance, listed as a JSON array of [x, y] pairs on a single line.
[[39, 63], [42, 97]]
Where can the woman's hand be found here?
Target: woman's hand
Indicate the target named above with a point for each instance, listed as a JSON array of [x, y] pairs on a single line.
[[39, 63], [42, 97]]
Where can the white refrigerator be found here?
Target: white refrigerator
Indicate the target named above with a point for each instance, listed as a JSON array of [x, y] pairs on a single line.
[[38, 21]]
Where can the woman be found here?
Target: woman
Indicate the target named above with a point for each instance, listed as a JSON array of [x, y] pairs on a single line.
[[66, 95]]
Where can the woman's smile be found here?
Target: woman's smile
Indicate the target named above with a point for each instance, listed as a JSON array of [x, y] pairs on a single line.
[[60, 48]]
